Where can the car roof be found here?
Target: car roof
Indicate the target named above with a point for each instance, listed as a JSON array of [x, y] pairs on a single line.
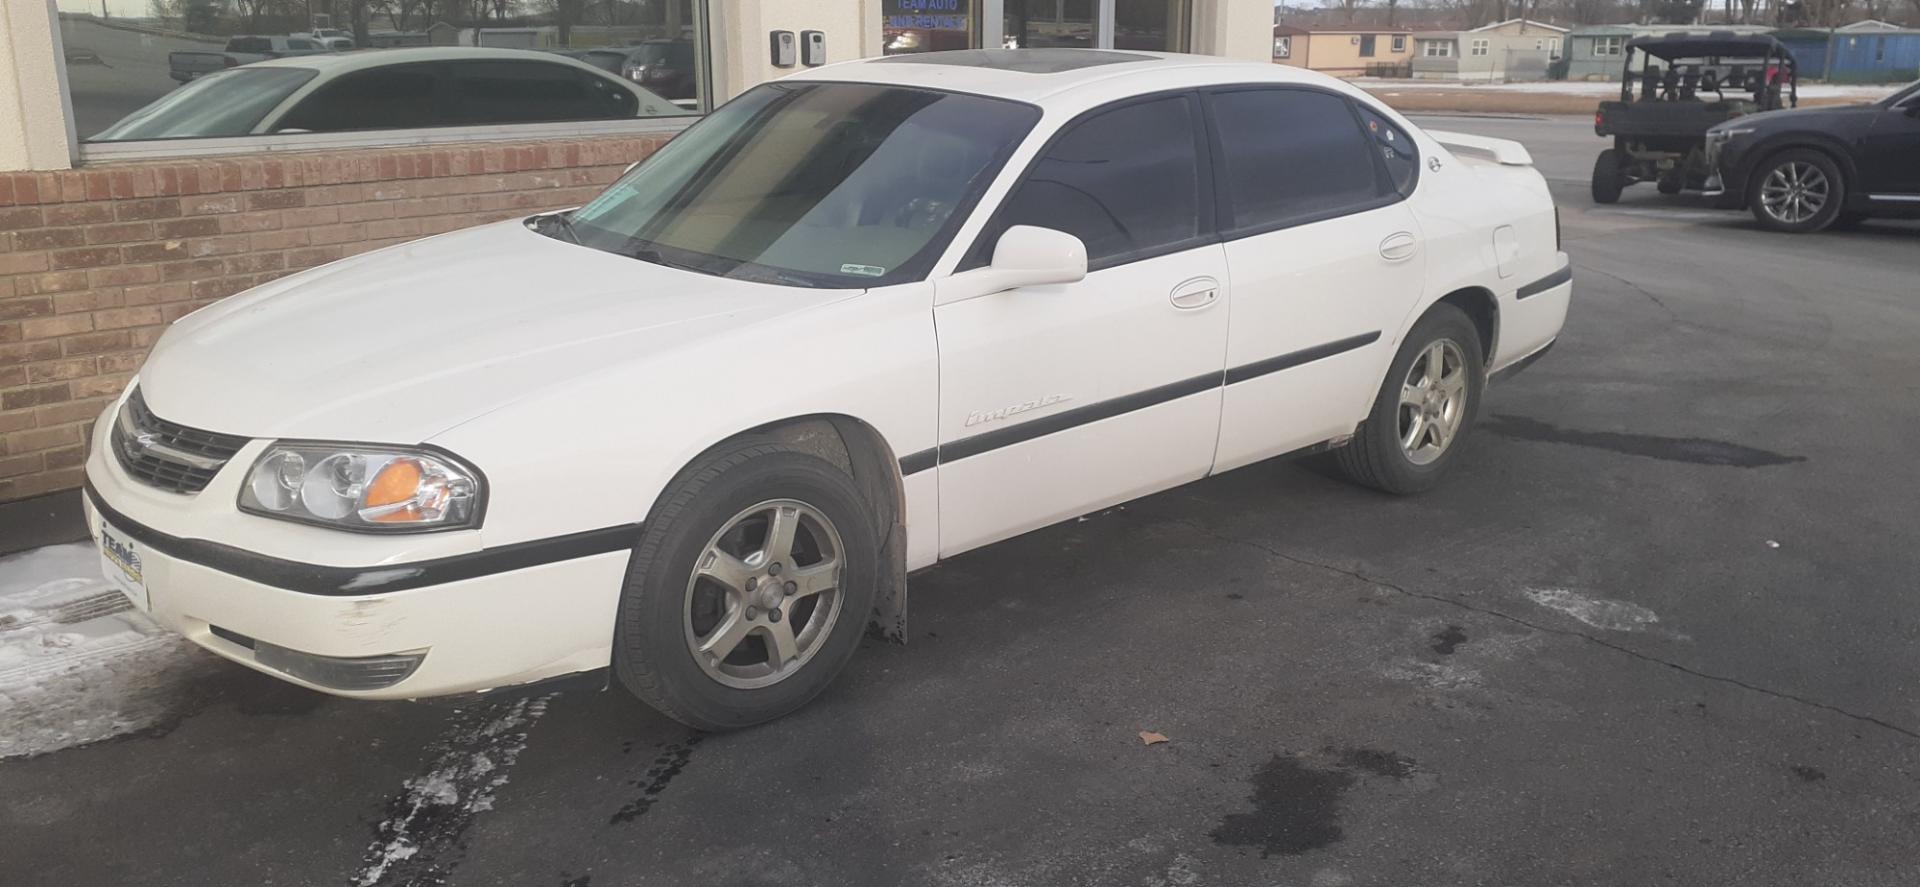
[[337, 63], [1682, 44], [1050, 76]]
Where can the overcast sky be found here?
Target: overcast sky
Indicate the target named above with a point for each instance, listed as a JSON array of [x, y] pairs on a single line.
[[119, 8]]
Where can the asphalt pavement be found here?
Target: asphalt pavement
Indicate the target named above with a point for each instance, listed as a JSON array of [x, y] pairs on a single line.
[[1658, 628]]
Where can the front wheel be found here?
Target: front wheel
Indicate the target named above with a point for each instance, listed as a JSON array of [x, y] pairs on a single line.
[[1796, 192], [750, 588], [1424, 409]]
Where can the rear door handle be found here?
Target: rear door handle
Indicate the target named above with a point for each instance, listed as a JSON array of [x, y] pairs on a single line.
[[1196, 293], [1398, 247]]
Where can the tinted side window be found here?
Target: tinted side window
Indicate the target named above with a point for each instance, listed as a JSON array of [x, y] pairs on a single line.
[[521, 92], [1126, 182], [393, 97], [1398, 156], [1290, 156]]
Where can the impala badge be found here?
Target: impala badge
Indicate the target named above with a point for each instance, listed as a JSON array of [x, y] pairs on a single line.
[[978, 416]]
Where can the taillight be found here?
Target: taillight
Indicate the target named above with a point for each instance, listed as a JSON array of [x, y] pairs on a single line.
[[1556, 229], [229, 61]]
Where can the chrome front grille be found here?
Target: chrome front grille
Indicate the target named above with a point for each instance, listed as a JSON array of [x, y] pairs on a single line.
[[167, 455]]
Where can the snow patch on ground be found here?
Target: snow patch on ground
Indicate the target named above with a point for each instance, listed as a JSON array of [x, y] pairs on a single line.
[[419, 840], [77, 664], [1433, 675], [1598, 88], [1599, 613]]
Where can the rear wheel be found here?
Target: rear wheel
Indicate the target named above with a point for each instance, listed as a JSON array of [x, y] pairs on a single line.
[[749, 589], [1609, 177], [1424, 409], [1796, 192]]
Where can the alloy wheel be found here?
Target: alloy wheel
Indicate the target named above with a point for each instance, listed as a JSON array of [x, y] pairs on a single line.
[[1794, 192], [764, 594], [1433, 402]]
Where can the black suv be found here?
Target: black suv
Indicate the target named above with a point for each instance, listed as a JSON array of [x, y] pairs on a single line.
[[1810, 168]]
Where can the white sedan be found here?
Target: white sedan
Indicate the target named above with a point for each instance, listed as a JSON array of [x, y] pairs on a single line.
[[855, 321]]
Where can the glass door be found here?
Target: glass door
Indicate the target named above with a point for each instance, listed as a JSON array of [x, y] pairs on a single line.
[[1153, 25], [1030, 24]]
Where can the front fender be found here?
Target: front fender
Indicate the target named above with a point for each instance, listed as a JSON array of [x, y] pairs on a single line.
[[598, 451]]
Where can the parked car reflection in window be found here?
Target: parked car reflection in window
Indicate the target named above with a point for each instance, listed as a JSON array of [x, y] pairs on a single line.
[[391, 89]]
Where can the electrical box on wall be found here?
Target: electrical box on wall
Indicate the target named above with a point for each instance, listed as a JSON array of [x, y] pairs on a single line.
[[781, 44], [813, 48]]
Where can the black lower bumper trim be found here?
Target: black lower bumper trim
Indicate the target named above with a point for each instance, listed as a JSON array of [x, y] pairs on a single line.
[[1564, 275], [353, 581], [1512, 369]]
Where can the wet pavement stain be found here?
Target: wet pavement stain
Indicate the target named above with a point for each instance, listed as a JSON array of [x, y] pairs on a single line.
[[1372, 760], [582, 881], [1296, 808], [1448, 640], [1809, 774], [1693, 450], [660, 772]]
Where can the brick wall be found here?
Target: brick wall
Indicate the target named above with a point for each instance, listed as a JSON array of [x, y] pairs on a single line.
[[95, 262]]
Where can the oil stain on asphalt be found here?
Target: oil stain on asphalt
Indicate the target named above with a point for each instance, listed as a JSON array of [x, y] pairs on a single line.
[[664, 768], [1296, 804], [1693, 450], [1448, 640]]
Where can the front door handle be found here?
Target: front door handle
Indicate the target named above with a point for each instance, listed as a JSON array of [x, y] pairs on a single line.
[[1398, 247], [1196, 293]]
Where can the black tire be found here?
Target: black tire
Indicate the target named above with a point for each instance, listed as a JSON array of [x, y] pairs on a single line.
[[1830, 210], [1375, 458], [651, 655], [1609, 177], [1848, 221], [1672, 183]]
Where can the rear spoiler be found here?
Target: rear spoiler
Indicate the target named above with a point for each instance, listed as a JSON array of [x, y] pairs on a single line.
[[1502, 151]]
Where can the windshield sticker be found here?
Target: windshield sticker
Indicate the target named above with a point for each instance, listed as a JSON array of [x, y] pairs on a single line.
[[863, 270]]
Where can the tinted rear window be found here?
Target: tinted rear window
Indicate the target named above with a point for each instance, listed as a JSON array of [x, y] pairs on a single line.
[[522, 92], [1291, 156]]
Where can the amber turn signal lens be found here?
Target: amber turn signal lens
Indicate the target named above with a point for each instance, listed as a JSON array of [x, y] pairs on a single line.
[[398, 482]]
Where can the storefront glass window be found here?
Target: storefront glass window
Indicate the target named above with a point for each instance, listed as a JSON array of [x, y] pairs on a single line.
[[1152, 25], [141, 70], [1036, 23], [928, 25]]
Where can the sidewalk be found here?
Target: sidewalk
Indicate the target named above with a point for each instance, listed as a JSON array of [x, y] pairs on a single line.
[[77, 663]]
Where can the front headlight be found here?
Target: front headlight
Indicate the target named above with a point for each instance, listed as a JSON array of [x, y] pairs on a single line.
[[1722, 135], [364, 487]]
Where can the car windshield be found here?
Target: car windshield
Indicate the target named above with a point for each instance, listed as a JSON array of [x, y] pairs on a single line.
[[225, 103], [810, 184]]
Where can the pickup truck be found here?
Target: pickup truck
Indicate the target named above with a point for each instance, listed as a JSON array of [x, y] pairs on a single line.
[[187, 65]]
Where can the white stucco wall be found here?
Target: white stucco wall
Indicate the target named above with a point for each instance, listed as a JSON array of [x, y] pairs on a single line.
[[742, 58], [33, 124], [1241, 29]]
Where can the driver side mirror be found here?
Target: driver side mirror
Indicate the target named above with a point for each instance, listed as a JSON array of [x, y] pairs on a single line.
[[1024, 255]]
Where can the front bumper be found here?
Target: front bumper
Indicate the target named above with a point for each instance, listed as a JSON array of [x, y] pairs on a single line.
[[379, 627]]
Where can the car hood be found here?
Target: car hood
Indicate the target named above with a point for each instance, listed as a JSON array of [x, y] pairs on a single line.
[[1787, 116], [398, 345]]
